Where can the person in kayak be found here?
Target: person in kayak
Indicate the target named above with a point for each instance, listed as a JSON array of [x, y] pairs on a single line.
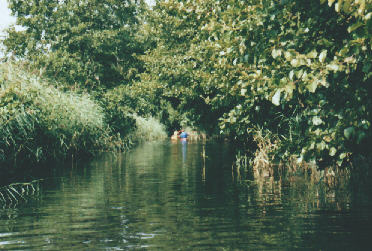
[[183, 135]]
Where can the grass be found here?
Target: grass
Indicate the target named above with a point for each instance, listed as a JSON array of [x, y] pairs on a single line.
[[40, 122]]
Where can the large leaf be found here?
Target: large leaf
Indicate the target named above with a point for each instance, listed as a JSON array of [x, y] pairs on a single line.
[[276, 98]]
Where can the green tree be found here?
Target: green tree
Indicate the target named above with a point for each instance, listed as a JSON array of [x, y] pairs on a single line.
[[88, 43], [297, 68], [172, 72]]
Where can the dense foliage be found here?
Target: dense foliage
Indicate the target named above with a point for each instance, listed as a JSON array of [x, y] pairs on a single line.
[[295, 72], [85, 43], [298, 69], [89, 46], [40, 122]]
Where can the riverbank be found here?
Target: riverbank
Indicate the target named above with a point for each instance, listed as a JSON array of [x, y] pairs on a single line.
[[265, 162], [41, 122], [290, 79]]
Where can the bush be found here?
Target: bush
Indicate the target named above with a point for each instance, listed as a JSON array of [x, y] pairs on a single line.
[[128, 113], [39, 122], [300, 70], [148, 129]]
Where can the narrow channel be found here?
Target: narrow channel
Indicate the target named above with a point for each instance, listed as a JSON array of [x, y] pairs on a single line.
[[169, 196]]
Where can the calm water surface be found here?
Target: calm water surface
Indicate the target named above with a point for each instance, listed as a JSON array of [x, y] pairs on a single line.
[[165, 196]]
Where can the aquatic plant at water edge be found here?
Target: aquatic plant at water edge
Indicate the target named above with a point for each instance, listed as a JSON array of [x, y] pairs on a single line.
[[40, 122], [14, 193], [148, 129]]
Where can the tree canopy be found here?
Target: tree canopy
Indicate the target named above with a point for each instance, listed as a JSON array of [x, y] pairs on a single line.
[[299, 69], [88, 43]]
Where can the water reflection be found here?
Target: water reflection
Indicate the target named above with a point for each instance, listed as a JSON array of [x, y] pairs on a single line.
[[182, 196], [184, 150]]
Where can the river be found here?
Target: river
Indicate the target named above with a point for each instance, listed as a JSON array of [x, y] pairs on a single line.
[[167, 196]]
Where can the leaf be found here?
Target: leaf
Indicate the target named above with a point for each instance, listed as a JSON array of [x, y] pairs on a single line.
[[312, 54], [299, 73], [288, 55], [312, 86], [346, 5], [276, 98], [332, 151], [343, 155], [289, 89], [321, 146], [327, 138], [317, 121], [333, 67], [295, 62], [276, 53], [337, 7], [354, 27], [349, 132], [322, 56], [330, 2]]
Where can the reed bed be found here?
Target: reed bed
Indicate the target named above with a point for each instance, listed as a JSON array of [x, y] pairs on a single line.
[[39, 121]]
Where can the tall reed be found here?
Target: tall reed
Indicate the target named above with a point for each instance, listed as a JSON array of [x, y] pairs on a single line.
[[40, 122]]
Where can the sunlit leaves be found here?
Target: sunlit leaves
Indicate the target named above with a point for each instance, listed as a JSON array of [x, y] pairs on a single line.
[[276, 53], [276, 98], [322, 56], [354, 26], [271, 66]]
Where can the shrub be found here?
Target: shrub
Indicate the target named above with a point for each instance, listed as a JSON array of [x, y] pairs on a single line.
[[129, 99], [128, 113], [300, 70], [148, 129]]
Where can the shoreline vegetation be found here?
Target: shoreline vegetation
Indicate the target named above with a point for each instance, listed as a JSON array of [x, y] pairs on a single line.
[[288, 81], [39, 122]]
